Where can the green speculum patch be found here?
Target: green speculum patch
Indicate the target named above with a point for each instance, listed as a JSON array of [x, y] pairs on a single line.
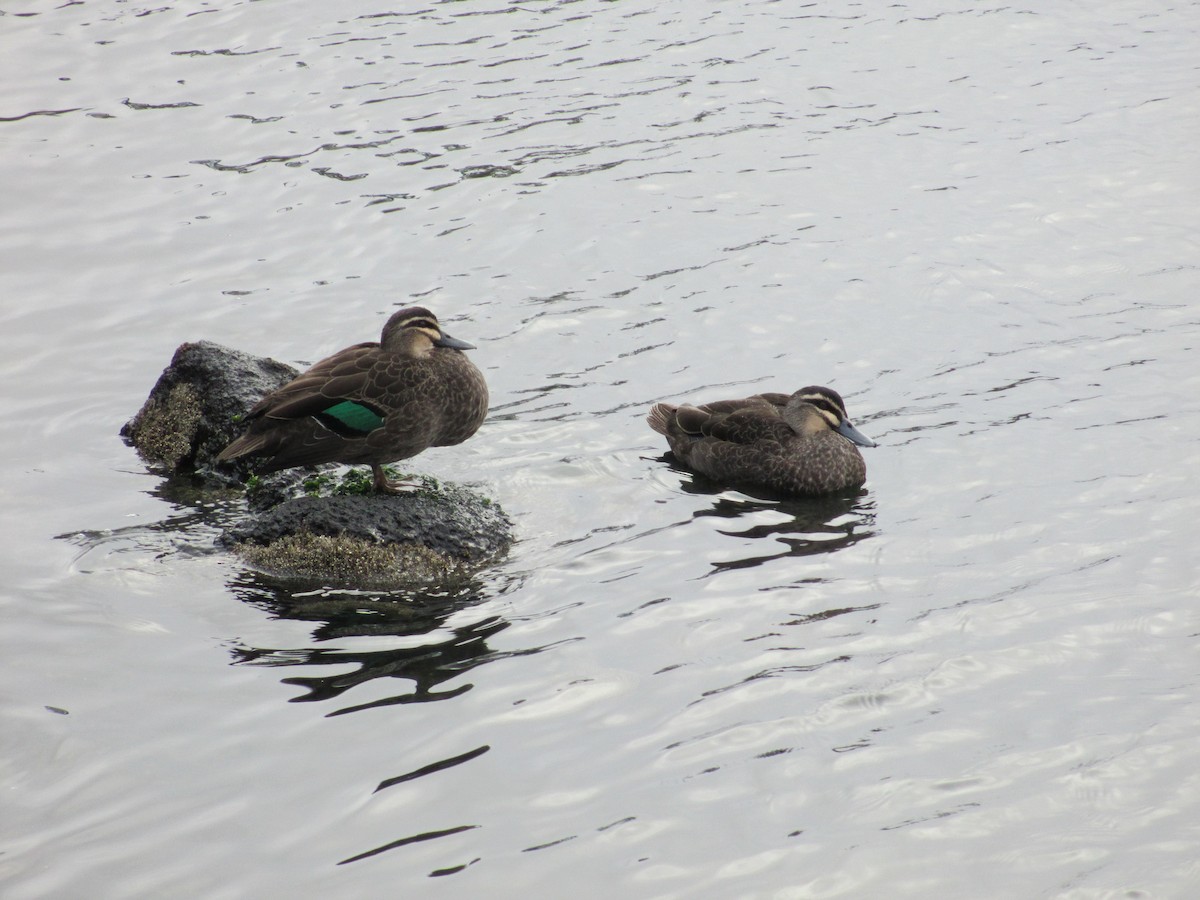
[[349, 416]]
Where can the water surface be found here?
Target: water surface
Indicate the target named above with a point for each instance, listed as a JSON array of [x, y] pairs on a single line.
[[975, 677]]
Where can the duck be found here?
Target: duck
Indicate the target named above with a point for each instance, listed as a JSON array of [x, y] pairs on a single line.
[[799, 444], [371, 403]]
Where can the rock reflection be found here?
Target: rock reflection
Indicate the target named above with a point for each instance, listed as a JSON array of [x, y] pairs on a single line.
[[426, 664]]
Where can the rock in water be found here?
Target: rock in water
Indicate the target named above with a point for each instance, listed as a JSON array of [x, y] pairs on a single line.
[[428, 535], [197, 406], [373, 538]]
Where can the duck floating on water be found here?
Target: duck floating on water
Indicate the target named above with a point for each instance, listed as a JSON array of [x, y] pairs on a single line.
[[372, 403], [802, 444]]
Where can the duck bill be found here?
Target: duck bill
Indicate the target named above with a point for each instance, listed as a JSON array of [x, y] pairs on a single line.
[[452, 343], [848, 431]]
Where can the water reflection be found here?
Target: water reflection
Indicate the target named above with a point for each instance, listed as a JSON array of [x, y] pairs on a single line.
[[198, 515], [438, 655], [431, 654], [807, 526]]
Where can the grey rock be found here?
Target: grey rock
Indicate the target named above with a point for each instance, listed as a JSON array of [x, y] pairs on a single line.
[[452, 521], [196, 406]]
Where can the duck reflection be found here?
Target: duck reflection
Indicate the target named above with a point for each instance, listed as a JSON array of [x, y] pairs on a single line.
[[426, 664], [805, 526]]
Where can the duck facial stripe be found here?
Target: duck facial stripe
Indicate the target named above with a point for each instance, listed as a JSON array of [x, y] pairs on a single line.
[[825, 398], [422, 324], [826, 408], [350, 418]]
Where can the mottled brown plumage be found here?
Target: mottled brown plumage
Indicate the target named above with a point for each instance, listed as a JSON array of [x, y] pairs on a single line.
[[371, 403], [799, 444]]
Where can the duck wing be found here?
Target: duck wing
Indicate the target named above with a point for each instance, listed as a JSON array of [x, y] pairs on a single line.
[[747, 426], [764, 403], [343, 376]]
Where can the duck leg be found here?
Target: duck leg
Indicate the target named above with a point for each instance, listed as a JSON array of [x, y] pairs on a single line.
[[383, 486]]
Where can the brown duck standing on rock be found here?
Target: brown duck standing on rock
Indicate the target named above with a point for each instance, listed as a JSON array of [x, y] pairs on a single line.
[[372, 403], [800, 444]]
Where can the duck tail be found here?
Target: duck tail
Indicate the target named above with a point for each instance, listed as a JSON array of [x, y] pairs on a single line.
[[660, 417], [243, 446]]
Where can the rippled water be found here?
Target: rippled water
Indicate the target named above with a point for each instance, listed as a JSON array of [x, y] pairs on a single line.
[[978, 223]]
